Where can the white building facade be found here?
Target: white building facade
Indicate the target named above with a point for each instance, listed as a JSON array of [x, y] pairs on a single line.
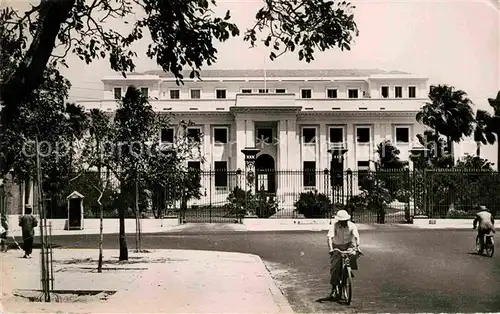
[[293, 116]]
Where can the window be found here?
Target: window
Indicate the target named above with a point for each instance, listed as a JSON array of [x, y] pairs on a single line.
[[220, 168], [194, 170], [337, 136], [220, 135], [265, 135], [220, 93], [195, 94], [280, 91], [309, 135], [402, 135], [175, 94], [412, 92], [363, 134], [167, 135], [263, 91], [246, 91], [353, 93], [306, 93], [385, 92], [309, 176], [398, 92], [117, 91], [331, 93], [194, 134], [145, 91], [363, 173]]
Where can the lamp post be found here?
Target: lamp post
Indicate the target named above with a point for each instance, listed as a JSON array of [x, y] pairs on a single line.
[[419, 164], [250, 158], [337, 173]]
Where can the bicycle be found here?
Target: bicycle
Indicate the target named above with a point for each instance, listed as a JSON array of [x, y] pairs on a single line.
[[489, 245], [344, 288]]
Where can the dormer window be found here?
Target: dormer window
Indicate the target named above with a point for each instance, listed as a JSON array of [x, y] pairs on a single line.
[[220, 93], [412, 92], [306, 93], [353, 93], [331, 93], [117, 92], [385, 91], [398, 92]]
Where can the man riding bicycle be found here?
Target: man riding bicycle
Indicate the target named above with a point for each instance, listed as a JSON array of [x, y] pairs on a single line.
[[343, 234], [485, 224]]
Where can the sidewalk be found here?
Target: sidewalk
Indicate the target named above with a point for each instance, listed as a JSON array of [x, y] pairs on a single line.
[[162, 281]]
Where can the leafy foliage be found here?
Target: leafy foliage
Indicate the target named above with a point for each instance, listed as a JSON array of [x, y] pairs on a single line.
[[313, 205], [183, 34], [448, 113], [241, 202]]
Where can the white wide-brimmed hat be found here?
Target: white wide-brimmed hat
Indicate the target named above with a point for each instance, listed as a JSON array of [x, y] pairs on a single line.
[[342, 215]]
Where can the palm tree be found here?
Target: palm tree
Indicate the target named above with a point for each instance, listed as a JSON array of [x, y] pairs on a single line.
[[494, 125], [449, 113], [482, 131]]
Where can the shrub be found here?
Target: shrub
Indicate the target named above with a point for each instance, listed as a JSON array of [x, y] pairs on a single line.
[[266, 205], [312, 205], [457, 213], [240, 203]]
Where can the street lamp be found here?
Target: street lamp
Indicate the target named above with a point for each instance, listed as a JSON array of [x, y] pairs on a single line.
[[337, 173], [250, 158], [417, 153]]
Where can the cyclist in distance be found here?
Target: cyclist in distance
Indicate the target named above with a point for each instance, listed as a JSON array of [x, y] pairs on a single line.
[[343, 234], [485, 224]]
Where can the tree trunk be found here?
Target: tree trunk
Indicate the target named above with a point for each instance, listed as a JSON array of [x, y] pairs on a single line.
[[101, 218], [137, 219], [498, 152], [478, 149], [123, 239], [28, 76], [451, 150]]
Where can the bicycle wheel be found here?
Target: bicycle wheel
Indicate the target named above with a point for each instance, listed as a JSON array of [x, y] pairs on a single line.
[[346, 289], [490, 248], [478, 245]]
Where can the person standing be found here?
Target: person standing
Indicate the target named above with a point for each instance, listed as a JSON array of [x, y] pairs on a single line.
[[28, 223]]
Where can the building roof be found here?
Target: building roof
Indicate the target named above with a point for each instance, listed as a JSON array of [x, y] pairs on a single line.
[[279, 73]]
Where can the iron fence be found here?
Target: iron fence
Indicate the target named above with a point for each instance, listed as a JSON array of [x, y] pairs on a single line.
[[382, 196]]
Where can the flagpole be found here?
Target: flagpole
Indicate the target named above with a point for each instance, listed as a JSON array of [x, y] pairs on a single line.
[[265, 74]]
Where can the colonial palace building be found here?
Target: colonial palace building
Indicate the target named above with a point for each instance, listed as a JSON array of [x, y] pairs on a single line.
[[293, 116]]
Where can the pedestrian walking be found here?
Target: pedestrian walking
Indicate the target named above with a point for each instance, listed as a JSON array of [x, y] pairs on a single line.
[[28, 223]]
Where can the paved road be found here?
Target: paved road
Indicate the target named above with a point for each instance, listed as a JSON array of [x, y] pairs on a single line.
[[403, 270]]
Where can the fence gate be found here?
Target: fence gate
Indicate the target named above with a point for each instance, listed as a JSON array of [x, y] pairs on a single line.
[[213, 206]]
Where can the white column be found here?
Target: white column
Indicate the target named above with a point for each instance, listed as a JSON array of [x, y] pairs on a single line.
[[294, 158], [350, 158], [378, 137], [283, 145], [207, 146], [323, 147], [324, 143], [250, 133], [240, 144]]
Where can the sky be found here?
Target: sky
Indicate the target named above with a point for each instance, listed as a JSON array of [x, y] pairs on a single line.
[[449, 41]]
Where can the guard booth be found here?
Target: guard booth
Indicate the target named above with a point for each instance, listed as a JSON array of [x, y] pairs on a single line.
[[75, 211]]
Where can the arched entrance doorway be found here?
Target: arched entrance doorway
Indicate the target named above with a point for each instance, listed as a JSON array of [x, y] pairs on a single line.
[[266, 173]]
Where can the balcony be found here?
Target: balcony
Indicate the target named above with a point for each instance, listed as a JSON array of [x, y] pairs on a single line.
[[278, 101], [360, 104], [168, 105]]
